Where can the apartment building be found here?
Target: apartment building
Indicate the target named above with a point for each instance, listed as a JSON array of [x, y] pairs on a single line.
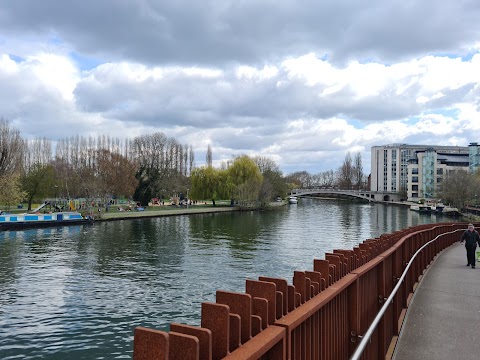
[[389, 166], [428, 168]]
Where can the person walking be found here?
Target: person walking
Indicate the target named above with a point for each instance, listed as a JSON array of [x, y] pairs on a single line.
[[471, 238]]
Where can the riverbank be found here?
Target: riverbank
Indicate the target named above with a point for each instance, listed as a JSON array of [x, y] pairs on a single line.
[[173, 211], [124, 215]]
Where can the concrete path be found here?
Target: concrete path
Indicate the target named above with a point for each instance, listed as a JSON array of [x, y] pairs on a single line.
[[124, 215], [443, 321]]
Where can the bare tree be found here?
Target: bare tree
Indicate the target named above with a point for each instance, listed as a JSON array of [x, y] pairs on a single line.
[[191, 159], [345, 173], [357, 171], [12, 148], [38, 152], [209, 156], [301, 179], [459, 187]]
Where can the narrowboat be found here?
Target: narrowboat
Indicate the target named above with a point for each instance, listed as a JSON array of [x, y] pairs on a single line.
[[21, 221]]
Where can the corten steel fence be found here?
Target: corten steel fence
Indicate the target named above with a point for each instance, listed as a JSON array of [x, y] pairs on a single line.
[[323, 314]]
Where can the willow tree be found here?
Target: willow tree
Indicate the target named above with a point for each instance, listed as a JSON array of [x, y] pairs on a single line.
[[246, 178], [206, 183]]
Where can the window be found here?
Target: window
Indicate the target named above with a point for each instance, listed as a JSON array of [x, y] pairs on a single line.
[[415, 195], [414, 179], [415, 171], [439, 171], [414, 187]]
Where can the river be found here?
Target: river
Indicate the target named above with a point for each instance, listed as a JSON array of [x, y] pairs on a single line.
[[78, 292]]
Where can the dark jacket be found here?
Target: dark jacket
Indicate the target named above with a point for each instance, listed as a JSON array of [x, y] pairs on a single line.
[[471, 238]]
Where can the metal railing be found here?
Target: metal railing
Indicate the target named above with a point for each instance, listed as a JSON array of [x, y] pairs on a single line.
[[367, 336], [320, 315]]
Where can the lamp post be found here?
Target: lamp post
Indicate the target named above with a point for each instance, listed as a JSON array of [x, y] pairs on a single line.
[[56, 188], [187, 197]]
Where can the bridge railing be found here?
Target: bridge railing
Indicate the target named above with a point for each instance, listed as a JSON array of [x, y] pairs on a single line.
[[322, 314]]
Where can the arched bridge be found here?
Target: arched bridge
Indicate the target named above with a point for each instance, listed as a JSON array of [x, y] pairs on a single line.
[[375, 196]]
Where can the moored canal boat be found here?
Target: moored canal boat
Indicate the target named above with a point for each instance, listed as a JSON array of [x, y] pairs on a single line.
[[21, 221]]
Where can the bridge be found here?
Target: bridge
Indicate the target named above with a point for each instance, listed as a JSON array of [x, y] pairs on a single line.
[[371, 196]]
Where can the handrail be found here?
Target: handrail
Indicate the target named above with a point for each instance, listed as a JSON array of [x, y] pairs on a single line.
[[368, 334]]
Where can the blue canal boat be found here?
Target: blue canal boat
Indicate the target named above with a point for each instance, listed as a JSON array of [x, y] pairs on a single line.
[[21, 221]]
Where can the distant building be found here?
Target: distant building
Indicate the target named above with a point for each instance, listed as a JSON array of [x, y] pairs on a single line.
[[428, 168], [389, 167], [474, 157]]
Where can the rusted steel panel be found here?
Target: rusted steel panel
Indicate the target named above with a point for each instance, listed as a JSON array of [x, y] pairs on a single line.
[[149, 344], [332, 272], [353, 321], [322, 267], [300, 283], [282, 286], [291, 298], [297, 316], [183, 347], [216, 317], [298, 299], [260, 308], [256, 324], [204, 337], [349, 256], [315, 278], [240, 304], [335, 260], [382, 295], [267, 291], [309, 288], [279, 300], [235, 332]]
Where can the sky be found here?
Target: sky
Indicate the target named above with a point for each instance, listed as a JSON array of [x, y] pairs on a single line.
[[301, 82]]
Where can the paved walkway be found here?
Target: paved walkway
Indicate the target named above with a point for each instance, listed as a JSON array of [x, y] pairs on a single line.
[[443, 321]]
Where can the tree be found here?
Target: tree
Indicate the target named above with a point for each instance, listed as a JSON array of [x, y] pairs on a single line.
[[38, 182], [116, 174], [205, 183], [160, 162], [245, 175], [301, 179], [459, 187], [274, 183], [346, 173], [208, 157], [357, 171], [12, 149], [11, 192]]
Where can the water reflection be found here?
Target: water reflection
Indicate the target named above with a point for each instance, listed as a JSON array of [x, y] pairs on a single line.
[[77, 292]]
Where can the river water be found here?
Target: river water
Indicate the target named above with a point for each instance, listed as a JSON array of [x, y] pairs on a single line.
[[78, 292]]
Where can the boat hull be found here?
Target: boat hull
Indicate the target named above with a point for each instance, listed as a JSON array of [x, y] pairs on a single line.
[[292, 200], [24, 221]]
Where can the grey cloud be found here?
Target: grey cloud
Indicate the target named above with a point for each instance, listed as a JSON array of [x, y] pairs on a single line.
[[452, 96], [218, 102], [221, 32]]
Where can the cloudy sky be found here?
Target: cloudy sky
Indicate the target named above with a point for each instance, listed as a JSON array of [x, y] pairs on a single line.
[[302, 82]]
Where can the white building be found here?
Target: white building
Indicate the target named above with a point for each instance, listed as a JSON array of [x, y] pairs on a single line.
[[428, 168], [389, 167]]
